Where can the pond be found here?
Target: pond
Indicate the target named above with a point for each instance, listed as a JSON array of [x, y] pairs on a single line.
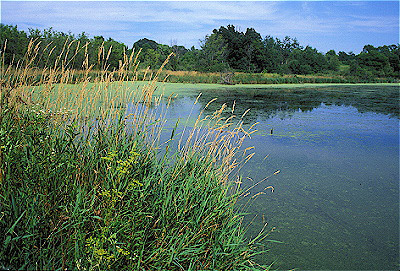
[[335, 203]]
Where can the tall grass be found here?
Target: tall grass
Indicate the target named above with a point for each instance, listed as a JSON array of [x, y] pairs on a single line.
[[86, 184], [265, 78]]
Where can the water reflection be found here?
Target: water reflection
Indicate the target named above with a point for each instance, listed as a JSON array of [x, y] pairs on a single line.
[[265, 103], [336, 201]]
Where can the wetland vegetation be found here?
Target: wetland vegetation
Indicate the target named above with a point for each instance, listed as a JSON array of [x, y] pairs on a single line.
[[83, 184], [103, 166]]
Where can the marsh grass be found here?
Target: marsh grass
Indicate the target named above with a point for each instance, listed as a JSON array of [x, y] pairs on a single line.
[[265, 78], [83, 185]]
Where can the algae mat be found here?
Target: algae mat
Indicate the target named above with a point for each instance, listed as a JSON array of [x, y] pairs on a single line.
[[335, 202]]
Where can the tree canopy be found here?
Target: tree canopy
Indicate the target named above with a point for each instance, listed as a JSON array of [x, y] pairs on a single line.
[[225, 49]]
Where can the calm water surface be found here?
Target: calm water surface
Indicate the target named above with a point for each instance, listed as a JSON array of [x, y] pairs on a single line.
[[335, 203]]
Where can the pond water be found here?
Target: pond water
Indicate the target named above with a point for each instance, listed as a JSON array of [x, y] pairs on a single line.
[[335, 204]]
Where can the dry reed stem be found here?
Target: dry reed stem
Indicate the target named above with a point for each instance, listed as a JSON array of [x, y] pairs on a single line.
[[213, 137]]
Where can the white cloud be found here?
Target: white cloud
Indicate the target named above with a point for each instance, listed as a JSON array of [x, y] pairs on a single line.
[[179, 20], [189, 21], [375, 24], [179, 12]]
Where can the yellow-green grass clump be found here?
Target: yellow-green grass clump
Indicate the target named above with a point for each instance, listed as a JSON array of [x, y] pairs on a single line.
[[83, 185]]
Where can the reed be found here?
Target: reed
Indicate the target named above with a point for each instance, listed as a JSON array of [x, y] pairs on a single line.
[[265, 78], [83, 183]]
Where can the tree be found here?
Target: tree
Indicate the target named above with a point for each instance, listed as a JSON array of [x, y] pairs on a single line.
[[254, 51], [214, 54], [306, 61], [346, 58], [373, 60], [145, 44], [190, 60], [272, 55], [332, 60], [287, 46], [235, 50], [225, 49], [392, 52], [14, 41]]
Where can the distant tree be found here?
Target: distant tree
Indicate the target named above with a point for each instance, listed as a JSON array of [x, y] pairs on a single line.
[[358, 71], [287, 46], [152, 54], [14, 41], [234, 42], [241, 51], [145, 44], [214, 54], [346, 58], [190, 60], [83, 42], [254, 51], [179, 52], [164, 51], [374, 61], [332, 60], [225, 49], [296, 63], [392, 52], [117, 51], [306, 61], [272, 55]]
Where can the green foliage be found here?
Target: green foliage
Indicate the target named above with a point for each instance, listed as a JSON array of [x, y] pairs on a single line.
[[372, 60], [214, 54], [225, 49], [333, 61], [14, 41], [153, 54], [346, 58], [306, 61], [234, 41], [70, 200], [62, 49]]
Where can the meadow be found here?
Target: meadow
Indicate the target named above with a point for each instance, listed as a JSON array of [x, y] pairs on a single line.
[[87, 184]]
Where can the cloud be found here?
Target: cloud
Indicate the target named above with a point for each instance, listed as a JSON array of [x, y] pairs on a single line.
[[375, 24], [189, 21], [179, 12], [121, 20]]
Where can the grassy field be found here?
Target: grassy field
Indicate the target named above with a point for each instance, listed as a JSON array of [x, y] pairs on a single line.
[[86, 184]]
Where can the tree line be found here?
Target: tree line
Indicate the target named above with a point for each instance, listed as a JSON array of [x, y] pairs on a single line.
[[226, 49]]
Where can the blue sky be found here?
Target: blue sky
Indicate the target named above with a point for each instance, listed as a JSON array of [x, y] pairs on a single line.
[[339, 25]]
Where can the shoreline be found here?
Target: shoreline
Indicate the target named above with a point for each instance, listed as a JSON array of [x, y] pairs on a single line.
[[176, 88]]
